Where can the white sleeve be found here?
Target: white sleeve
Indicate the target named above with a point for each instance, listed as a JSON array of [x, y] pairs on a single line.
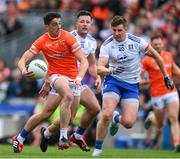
[[144, 46], [94, 48], [104, 51]]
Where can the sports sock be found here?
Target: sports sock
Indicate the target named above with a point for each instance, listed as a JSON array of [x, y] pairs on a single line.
[[47, 134], [98, 144], [116, 118], [79, 132], [22, 136], [176, 142], [63, 133]]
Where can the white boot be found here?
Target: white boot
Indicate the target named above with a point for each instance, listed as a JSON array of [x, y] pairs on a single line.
[[97, 152]]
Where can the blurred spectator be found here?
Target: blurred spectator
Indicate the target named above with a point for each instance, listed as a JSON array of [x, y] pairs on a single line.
[[15, 89], [23, 6], [2, 6], [11, 24], [106, 31], [4, 75], [101, 12], [10, 21], [54, 4], [21, 87]]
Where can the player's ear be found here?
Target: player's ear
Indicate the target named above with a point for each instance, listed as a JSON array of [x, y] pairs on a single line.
[[126, 28]]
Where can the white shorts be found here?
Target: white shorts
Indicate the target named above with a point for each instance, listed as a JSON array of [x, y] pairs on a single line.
[[53, 91], [54, 77], [161, 101]]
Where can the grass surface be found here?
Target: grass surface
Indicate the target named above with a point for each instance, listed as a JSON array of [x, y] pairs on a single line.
[[53, 152]]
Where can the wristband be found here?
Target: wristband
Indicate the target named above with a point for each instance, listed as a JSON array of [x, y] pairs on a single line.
[[79, 78], [98, 77]]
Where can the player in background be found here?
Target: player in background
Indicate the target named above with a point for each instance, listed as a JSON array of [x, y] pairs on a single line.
[[61, 51], [163, 99], [87, 97], [146, 103], [122, 51]]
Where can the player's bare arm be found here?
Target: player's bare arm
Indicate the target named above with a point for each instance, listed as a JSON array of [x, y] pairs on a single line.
[[83, 65], [22, 64], [45, 88], [153, 53], [101, 69], [92, 65], [93, 71]]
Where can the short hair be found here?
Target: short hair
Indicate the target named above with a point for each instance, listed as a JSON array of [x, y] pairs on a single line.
[[156, 35], [118, 20], [83, 13], [50, 16]]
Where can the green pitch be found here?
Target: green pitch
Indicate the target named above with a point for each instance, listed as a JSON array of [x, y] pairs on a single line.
[[53, 152]]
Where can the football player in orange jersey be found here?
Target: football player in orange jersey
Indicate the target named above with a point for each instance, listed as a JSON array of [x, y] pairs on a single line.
[[61, 51], [163, 98], [87, 98]]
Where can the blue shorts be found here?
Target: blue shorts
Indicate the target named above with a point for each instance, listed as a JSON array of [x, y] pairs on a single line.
[[123, 89]]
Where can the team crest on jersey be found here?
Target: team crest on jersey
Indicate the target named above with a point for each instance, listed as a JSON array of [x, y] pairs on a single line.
[[63, 42], [130, 47]]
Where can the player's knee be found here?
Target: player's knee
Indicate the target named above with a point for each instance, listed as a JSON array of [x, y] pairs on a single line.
[[69, 97], [173, 119], [107, 117], [128, 124], [160, 124], [98, 109], [95, 110]]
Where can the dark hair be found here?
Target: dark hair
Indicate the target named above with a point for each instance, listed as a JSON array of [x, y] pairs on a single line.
[[156, 35], [83, 13], [118, 20], [50, 16]]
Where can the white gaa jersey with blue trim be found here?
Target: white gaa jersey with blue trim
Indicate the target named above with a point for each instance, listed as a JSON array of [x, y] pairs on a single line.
[[88, 44], [126, 56]]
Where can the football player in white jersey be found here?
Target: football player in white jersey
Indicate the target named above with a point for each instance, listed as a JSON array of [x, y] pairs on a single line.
[[87, 97], [122, 51]]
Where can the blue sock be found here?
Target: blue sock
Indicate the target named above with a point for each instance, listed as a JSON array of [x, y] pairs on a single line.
[[80, 131], [116, 118], [98, 144], [24, 133]]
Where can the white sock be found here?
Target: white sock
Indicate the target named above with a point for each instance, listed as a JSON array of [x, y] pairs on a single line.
[[47, 134], [20, 139], [77, 136], [63, 133]]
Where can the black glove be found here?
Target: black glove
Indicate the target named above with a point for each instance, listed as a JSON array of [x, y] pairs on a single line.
[[169, 83]]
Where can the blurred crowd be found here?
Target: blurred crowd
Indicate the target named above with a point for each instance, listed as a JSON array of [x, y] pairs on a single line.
[[144, 17]]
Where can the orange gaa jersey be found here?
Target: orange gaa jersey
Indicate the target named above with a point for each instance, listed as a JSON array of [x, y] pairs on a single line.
[[59, 53], [157, 85]]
